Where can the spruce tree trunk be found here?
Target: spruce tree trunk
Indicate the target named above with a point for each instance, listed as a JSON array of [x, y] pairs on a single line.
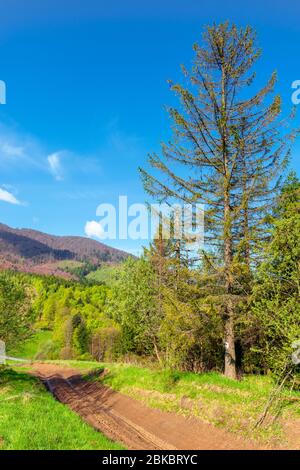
[[229, 336], [230, 356], [229, 359]]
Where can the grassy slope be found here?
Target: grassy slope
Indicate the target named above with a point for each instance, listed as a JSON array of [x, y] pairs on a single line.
[[28, 349], [234, 405], [103, 274], [69, 264], [30, 418]]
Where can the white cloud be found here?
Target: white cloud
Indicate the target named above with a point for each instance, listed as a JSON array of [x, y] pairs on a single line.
[[55, 165], [18, 148], [94, 229], [10, 150], [6, 196]]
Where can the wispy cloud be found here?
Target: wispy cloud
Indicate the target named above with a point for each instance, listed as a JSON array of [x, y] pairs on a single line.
[[12, 151], [55, 165], [18, 148], [23, 152], [94, 229], [7, 196]]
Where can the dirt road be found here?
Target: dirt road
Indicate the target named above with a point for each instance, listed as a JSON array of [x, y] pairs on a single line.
[[128, 421]]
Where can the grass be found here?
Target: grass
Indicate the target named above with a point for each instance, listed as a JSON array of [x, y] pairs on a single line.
[[69, 264], [30, 348], [103, 274], [31, 419]]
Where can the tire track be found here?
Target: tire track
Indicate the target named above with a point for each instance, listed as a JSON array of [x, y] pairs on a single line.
[[130, 422], [84, 398]]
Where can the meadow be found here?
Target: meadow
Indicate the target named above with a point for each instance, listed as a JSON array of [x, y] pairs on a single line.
[[31, 419]]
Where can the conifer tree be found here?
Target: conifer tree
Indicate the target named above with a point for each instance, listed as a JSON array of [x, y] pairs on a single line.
[[226, 151]]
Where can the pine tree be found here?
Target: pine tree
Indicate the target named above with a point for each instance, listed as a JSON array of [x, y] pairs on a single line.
[[225, 153]]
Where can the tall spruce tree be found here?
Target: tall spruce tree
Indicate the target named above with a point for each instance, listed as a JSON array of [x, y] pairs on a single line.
[[225, 153]]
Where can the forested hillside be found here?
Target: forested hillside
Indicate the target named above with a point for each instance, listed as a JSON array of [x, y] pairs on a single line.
[[69, 257]]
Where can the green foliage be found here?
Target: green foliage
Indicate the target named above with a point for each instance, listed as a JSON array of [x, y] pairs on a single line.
[[80, 335], [133, 306], [57, 318], [276, 297], [75, 313], [79, 269], [15, 314], [106, 343], [191, 331]]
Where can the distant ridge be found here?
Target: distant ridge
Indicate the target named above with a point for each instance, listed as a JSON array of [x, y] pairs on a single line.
[[33, 251]]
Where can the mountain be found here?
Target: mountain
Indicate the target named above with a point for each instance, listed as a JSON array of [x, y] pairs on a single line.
[[37, 252]]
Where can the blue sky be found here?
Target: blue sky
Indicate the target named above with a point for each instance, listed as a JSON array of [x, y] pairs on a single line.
[[86, 89]]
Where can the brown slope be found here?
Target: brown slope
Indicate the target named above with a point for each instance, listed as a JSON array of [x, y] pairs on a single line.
[[25, 248]]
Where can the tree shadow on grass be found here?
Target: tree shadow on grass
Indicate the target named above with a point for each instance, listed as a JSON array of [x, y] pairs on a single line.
[[10, 376]]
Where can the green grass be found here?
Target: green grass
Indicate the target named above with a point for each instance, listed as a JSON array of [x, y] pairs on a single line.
[[69, 264], [31, 419], [103, 274], [30, 348]]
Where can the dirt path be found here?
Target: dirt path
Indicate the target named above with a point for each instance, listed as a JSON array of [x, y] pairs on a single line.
[[128, 421]]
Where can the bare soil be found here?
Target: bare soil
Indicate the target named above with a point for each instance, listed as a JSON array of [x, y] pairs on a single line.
[[128, 421]]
